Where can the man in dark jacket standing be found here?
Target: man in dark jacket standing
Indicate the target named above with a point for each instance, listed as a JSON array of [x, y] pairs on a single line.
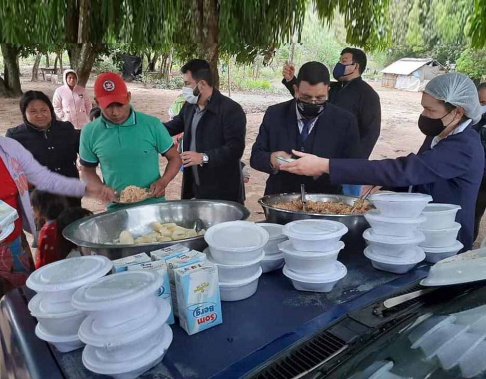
[[353, 94], [308, 124], [214, 128], [480, 127]]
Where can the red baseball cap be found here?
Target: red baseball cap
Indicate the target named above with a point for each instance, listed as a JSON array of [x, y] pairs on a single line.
[[110, 88]]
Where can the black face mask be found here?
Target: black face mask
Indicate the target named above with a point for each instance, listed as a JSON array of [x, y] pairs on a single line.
[[432, 126], [310, 110]]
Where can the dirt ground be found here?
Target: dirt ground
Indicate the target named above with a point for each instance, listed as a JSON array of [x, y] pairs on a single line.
[[399, 135]]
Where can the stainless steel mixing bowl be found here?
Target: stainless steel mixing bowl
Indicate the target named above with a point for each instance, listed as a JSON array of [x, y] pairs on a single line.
[[356, 224], [98, 233]]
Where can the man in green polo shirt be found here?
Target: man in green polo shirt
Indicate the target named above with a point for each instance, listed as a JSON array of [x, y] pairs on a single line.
[[126, 144]]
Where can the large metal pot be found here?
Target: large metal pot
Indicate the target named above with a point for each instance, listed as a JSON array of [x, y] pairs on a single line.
[[97, 233], [356, 224]]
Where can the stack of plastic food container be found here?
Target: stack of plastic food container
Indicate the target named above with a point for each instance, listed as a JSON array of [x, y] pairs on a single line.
[[440, 230], [55, 284], [394, 237], [126, 331], [8, 215], [274, 258], [236, 248], [311, 254]]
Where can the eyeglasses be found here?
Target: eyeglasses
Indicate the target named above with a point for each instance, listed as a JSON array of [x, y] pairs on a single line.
[[313, 100]]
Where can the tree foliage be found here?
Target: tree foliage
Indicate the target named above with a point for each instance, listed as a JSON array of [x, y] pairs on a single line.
[[472, 63], [432, 28], [477, 30]]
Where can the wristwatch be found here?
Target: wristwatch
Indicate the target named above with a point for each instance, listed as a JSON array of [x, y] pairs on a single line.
[[205, 158]]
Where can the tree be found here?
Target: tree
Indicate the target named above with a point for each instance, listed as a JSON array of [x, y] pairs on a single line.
[[473, 63], [10, 84], [241, 28], [477, 31]]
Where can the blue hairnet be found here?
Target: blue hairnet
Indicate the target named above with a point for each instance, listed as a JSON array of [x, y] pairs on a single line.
[[458, 90]]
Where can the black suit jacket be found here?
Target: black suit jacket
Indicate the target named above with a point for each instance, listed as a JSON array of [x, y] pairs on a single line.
[[336, 136], [221, 135], [359, 98]]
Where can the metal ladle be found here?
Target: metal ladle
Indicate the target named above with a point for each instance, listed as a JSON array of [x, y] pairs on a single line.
[[302, 195]]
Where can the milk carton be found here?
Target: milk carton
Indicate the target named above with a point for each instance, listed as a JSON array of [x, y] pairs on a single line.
[[198, 297], [161, 254], [121, 264], [164, 292], [180, 260]]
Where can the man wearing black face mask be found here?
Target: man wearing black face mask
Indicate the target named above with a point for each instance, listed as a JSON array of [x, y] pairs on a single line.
[[307, 124], [351, 93]]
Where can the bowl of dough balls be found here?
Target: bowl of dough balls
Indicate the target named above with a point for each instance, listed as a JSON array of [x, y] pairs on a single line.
[[145, 228]]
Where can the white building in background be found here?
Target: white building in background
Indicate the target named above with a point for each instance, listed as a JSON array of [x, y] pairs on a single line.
[[410, 74]]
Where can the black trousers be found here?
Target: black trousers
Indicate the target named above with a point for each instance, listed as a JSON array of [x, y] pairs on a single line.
[[480, 208]]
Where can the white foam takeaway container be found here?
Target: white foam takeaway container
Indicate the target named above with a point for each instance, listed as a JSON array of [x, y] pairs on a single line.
[[439, 216], [310, 262], [315, 235], [393, 264], [236, 242], [323, 282], [398, 204]]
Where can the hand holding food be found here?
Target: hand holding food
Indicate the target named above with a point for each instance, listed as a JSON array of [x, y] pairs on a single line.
[[307, 164], [133, 194], [157, 189]]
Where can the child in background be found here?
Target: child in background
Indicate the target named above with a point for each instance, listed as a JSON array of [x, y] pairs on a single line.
[[47, 208], [67, 249]]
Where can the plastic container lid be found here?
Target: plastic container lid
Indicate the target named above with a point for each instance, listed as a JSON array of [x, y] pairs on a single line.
[[211, 259], [440, 208], [417, 238], [118, 289], [457, 246], [288, 248], [242, 283], [93, 362], [454, 228], [419, 256], [314, 229], [8, 215], [7, 231], [69, 273], [376, 215], [400, 196], [118, 335], [46, 336], [236, 236], [338, 273], [36, 310], [275, 231]]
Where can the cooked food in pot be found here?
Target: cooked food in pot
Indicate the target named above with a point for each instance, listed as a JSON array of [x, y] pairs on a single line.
[[162, 233], [323, 207]]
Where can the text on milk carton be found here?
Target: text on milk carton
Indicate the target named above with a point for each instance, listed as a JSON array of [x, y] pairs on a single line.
[[198, 297]]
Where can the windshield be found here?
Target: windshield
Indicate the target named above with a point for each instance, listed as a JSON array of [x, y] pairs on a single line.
[[446, 341]]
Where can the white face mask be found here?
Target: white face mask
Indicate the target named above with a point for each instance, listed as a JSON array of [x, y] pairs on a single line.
[[188, 94], [483, 109]]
